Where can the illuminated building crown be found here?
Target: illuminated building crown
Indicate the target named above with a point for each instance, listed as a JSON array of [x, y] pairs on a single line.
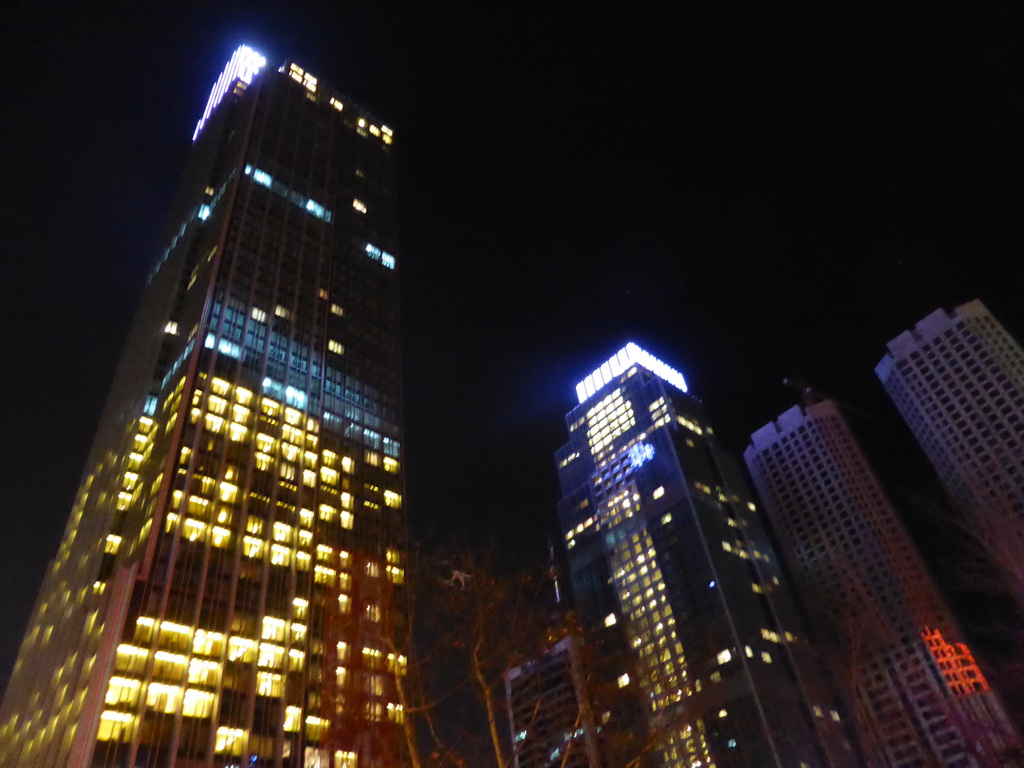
[[619, 363]]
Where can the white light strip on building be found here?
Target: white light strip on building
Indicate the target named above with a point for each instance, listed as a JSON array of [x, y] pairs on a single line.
[[244, 65], [620, 362]]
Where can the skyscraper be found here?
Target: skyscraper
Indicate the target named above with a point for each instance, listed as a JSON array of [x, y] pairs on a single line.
[[918, 695], [228, 588], [677, 588], [548, 702], [957, 380]]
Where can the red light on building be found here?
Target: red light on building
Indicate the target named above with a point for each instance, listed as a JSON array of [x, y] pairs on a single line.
[[956, 662]]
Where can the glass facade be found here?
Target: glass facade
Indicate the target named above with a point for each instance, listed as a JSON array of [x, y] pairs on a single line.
[[703, 661], [229, 588]]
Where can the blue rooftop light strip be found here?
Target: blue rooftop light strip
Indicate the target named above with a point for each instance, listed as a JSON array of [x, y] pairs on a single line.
[[244, 65], [620, 362]]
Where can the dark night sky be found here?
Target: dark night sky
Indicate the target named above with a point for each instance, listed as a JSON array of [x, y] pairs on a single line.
[[749, 192]]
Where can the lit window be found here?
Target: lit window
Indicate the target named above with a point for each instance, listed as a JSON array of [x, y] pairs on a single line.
[[123, 690], [315, 727], [623, 680], [131, 658], [259, 315], [162, 697], [115, 726], [207, 643], [282, 311], [336, 347], [659, 492], [273, 628], [198, 703], [610, 620], [336, 309], [359, 206], [241, 649], [228, 492], [194, 529], [292, 719], [171, 328], [229, 741], [324, 575], [270, 655], [221, 537], [269, 684], [253, 547], [203, 672], [280, 555], [724, 656]]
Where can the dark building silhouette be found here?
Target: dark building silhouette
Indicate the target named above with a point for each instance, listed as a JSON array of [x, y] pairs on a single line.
[[918, 696], [548, 701], [228, 588], [698, 652]]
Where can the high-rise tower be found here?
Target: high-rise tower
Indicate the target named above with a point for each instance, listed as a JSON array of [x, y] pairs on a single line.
[[228, 589], [957, 380], [548, 702], [918, 696], [680, 596]]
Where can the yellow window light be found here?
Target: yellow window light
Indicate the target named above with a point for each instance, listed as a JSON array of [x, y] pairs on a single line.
[[229, 741], [198, 703], [273, 628], [269, 684], [241, 649], [207, 643]]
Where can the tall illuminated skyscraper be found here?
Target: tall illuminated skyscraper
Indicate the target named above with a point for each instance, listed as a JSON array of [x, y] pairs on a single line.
[[919, 697], [957, 379], [228, 591], [699, 658]]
